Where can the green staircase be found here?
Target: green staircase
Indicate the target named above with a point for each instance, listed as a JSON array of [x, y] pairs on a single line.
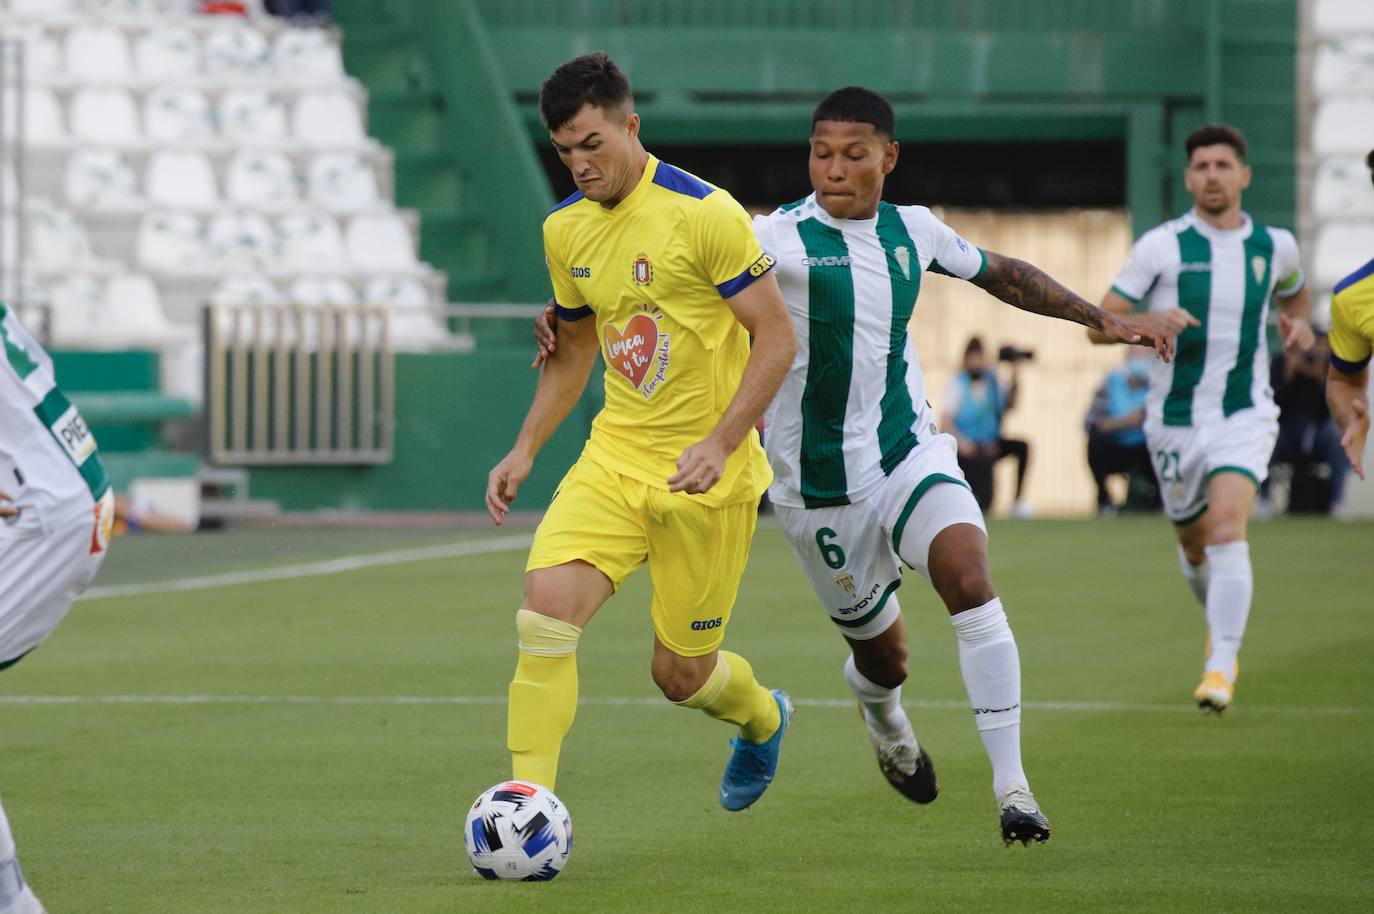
[[462, 157]]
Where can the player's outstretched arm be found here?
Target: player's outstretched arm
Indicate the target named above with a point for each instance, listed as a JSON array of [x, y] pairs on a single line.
[[1025, 286], [760, 309], [1345, 394], [561, 382], [1295, 322]]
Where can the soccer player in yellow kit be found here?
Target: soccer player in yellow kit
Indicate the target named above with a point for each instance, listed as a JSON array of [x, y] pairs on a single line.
[[674, 282], [1352, 342]]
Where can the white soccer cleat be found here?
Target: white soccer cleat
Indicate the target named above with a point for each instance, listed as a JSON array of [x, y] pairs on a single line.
[[906, 766], [1021, 818]]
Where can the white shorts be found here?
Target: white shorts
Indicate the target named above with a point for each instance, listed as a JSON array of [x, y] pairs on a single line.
[[1186, 457], [848, 551], [43, 571]]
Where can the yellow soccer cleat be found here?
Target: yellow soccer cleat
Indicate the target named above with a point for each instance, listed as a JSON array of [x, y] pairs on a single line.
[[1214, 693]]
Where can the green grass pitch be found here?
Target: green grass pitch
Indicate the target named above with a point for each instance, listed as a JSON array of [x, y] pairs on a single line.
[[345, 721]]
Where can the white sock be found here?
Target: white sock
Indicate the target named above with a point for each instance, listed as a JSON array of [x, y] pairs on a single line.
[[882, 707], [1196, 576], [1228, 603], [992, 676], [11, 882]]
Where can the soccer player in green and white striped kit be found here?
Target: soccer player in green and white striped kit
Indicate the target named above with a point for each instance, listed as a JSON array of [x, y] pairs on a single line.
[[864, 480], [1210, 420]]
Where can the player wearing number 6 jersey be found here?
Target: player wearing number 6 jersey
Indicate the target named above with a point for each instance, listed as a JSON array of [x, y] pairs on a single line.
[[56, 509], [1210, 420]]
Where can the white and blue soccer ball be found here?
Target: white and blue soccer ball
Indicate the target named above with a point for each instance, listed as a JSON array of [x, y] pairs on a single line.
[[518, 830]]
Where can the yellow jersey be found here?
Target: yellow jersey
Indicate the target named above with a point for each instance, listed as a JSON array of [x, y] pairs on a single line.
[[1352, 320], [654, 272]]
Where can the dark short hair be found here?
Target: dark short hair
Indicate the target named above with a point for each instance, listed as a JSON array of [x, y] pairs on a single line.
[[1369, 163], [975, 344], [857, 105], [592, 79], [1214, 134]]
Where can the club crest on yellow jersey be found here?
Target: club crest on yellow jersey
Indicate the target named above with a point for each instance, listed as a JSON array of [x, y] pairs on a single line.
[[643, 271]]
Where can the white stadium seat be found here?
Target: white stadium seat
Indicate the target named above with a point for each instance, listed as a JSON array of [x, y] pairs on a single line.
[[261, 179], [100, 179], [236, 50], [328, 119], [381, 243], [105, 117], [79, 310], [167, 53], [1344, 65], [1343, 125], [1341, 248], [240, 240], [181, 180], [42, 54], [43, 9], [252, 118], [343, 182], [42, 117], [177, 115], [135, 310], [1342, 17], [400, 292], [56, 241], [317, 291], [171, 241], [307, 56], [311, 243], [1342, 188], [97, 54], [246, 289], [129, 9]]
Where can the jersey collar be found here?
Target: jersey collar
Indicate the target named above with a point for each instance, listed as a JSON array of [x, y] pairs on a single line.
[[1215, 234], [812, 207], [635, 198]]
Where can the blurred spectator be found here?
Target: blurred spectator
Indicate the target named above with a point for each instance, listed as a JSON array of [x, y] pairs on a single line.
[[1309, 442], [301, 12], [1116, 434], [974, 404]]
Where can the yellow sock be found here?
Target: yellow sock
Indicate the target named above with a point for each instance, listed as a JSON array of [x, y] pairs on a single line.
[[732, 693], [543, 696]]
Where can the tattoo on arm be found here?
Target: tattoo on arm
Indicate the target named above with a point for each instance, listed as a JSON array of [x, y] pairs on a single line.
[[1029, 288]]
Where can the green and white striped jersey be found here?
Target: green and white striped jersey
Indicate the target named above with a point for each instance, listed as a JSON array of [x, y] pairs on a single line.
[[1224, 279], [853, 404]]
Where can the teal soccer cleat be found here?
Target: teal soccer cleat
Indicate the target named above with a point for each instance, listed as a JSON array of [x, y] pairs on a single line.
[[752, 766]]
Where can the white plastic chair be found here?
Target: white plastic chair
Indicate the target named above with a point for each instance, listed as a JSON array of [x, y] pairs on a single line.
[[1338, 18], [343, 182], [381, 243], [260, 179], [1344, 66], [42, 117], [307, 56], [79, 310], [400, 292], [127, 10], [239, 240], [98, 54], [167, 53], [180, 179], [318, 291], [135, 310], [105, 117], [100, 179], [252, 118], [43, 9], [236, 50], [56, 241], [1342, 188], [328, 119], [42, 53], [1341, 248], [311, 243], [246, 289], [175, 115], [1342, 125], [171, 241]]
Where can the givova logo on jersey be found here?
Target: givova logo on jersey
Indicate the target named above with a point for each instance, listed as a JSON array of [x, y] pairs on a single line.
[[639, 351]]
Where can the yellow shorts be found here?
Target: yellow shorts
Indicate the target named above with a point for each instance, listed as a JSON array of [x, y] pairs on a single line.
[[696, 554]]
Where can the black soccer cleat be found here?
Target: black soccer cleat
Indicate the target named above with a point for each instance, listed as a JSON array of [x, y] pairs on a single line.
[[1021, 818], [910, 774]]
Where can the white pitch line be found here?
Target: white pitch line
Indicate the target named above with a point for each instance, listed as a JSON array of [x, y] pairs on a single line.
[[1090, 707], [313, 569]]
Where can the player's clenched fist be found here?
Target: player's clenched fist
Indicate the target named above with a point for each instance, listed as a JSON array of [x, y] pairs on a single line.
[[699, 467], [503, 481]]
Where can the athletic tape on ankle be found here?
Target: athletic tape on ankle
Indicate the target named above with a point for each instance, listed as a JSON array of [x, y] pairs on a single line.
[[544, 636]]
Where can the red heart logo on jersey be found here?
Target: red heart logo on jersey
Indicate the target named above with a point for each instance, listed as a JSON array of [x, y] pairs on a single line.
[[632, 350]]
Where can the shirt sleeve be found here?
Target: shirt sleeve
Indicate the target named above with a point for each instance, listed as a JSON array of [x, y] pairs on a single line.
[[568, 301], [1287, 265], [1350, 349], [726, 246], [763, 231], [1141, 271], [951, 254]]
